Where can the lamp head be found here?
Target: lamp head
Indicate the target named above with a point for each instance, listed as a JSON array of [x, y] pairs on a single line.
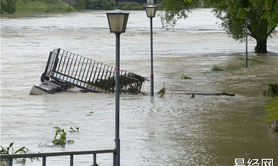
[[151, 10], [117, 20]]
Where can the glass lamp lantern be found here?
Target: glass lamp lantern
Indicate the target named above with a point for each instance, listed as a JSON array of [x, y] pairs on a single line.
[[151, 10], [117, 20]]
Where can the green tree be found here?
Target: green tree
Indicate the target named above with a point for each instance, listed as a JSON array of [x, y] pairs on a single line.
[[8, 6], [80, 4], [176, 9], [262, 17]]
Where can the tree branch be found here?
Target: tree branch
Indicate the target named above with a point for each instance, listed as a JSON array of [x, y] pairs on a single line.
[[270, 31], [252, 35]]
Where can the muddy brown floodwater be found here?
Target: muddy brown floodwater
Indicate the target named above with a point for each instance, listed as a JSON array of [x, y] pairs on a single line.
[[174, 130]]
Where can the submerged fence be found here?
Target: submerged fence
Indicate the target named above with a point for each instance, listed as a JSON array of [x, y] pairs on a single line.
[[75, 70], [10, 157]]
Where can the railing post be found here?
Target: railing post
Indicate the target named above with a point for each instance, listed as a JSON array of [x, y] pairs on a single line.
[[71, 160], [95, 159], [114, 159], [44, 161], [10, 162], [56, 60]]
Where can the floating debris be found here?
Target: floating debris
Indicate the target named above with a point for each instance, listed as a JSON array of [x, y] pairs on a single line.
[[185, 77], [65, 70]]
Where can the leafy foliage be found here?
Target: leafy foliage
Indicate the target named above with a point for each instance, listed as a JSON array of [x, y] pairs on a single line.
[[161, 92], [176, 9], [106, 5], [271, 14], [216, 68], [100, 4], [60, 137], [271, 109], [185, 77], [10, 149], [130, 6], [129, 83], [74, 129], [262, 16], [8, 6], [272, 90], [260, 26]]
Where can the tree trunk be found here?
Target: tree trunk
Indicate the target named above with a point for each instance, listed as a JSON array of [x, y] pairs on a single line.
[[261, 46]]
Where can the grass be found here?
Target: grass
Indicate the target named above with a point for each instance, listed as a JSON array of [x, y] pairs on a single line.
[[236, 65], [272, 90], [271, 109], [216, 68], [185, 77], [29, 7]]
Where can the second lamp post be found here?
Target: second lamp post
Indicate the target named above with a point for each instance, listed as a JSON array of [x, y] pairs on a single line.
[[151, 11]]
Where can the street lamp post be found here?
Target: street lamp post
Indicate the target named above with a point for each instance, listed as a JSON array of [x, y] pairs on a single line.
[[117, 20], [151, 11], [246, 42]]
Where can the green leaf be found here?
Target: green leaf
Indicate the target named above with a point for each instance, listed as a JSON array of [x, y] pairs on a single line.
[[70, 141], [11, 144], [22, 149], [242, 13], [3, 150]]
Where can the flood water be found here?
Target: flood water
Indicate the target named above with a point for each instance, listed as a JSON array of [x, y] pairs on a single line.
[[174, 130]]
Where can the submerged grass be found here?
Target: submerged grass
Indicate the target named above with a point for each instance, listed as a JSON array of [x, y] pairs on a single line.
[[235, 65], [216, 68], [185, 77], [272, 90], [271, 109]]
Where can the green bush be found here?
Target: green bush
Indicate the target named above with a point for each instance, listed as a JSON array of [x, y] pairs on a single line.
[[8, 6], [130, 6], [27, 7], [271, 109], [100, 4], [272, 90], [185, 77], [216, 68], [80, 4]]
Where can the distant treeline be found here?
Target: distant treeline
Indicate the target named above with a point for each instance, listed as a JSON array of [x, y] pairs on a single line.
[[8, 6], [106, 4], [47, 6], [35, 6]]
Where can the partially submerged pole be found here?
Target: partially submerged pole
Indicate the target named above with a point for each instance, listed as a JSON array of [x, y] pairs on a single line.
[[246, 42]]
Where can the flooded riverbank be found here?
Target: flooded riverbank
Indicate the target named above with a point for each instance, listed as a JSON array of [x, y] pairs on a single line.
[[174, 130]]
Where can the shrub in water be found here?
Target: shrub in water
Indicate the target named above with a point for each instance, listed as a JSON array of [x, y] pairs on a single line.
[[185, 77], [272, 90], [216, 68]]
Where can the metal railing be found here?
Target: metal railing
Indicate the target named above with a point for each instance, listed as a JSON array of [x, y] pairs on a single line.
[[72, 69], [9, 157]]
